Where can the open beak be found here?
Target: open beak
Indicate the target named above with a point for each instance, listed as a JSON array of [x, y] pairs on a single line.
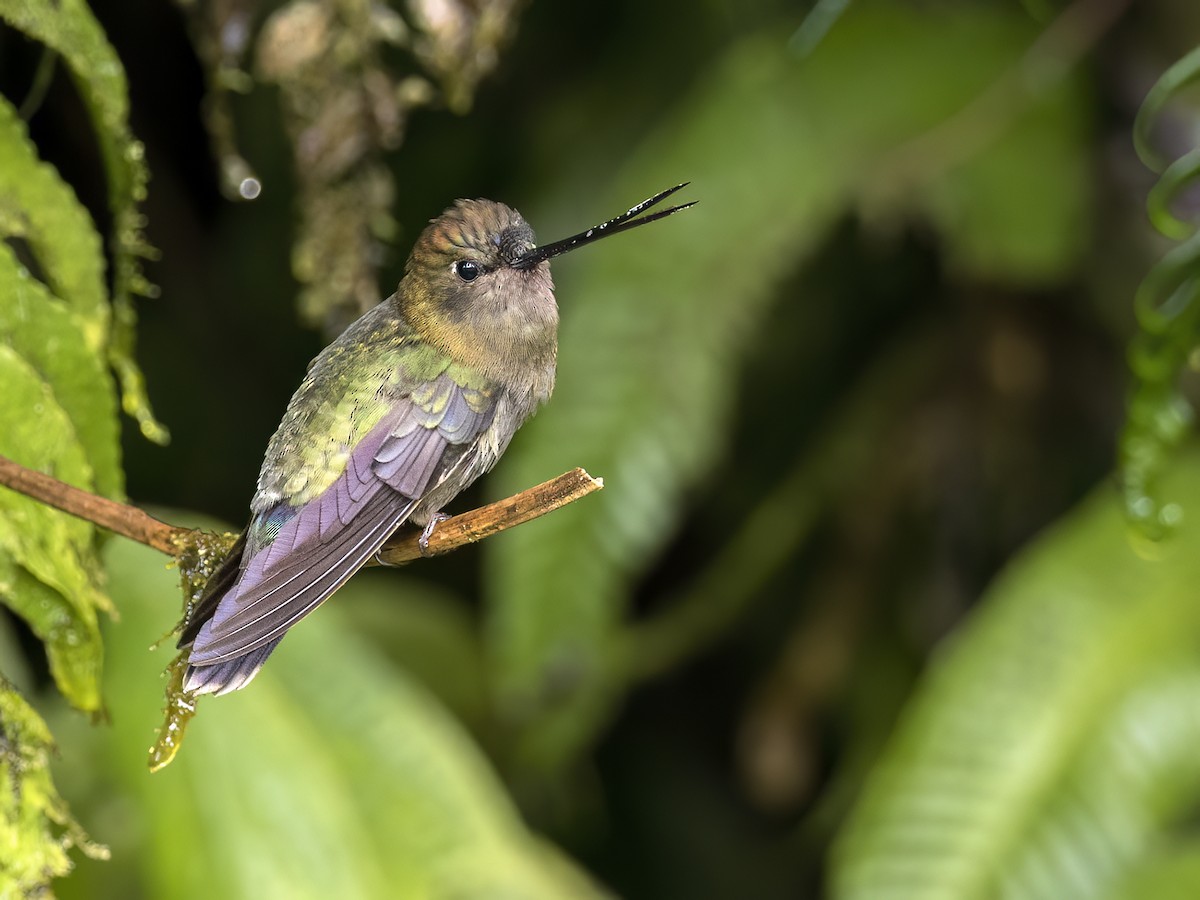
[[623, 222]]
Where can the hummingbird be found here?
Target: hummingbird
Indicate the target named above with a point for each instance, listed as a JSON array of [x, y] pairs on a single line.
[[412, 403]]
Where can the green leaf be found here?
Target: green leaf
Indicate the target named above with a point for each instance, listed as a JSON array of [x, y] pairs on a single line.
[[38, 328], [333, 774], [68, 27], [59, 416], [428, 632], [1052, 747], [53, 549], [652, 323], [1017, 213], [37, 206], [36, 830], [1171, 873], [70, 633]]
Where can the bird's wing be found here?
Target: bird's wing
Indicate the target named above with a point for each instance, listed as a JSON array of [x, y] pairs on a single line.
[[297, 554]]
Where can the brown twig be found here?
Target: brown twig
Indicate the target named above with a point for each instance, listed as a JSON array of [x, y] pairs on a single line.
[[495, 517], [131, 522], [128, 521]]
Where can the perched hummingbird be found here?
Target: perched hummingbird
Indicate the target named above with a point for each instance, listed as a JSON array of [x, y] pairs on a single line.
[[412, 403]]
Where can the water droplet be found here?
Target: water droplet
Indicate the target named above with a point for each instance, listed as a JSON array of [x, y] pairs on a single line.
[[249, 188]]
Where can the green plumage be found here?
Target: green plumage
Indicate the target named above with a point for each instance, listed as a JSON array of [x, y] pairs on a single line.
[[348, 389]]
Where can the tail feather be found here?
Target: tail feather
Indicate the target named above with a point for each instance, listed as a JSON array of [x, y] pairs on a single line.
[[233, 674], [229, 676]]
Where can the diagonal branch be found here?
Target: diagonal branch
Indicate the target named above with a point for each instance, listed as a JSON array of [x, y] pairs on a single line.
[[128, 521], [487, 520], [457, 531]]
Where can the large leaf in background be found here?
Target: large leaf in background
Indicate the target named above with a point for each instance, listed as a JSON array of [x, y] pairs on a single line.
[[991, 209], [1051, 748], [1170, 873], [652, 321], [334, 775]]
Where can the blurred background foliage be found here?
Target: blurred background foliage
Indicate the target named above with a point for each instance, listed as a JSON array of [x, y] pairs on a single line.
[[858, 613]]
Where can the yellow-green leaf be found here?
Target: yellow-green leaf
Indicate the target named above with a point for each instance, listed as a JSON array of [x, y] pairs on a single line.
[[68, 27], [55, 549], [38, 207], [37, 327], [1050, 751], [36, 829]]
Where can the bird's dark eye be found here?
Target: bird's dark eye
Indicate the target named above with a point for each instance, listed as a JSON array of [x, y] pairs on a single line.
[[468, 269]]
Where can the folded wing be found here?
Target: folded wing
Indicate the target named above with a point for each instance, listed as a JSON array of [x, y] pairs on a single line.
[[295, 557]]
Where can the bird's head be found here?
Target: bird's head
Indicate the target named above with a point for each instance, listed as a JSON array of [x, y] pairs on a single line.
[[478, 285], [465, 265]]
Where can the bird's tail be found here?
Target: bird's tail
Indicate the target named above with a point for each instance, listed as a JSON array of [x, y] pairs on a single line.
[[232, 675], [220, 678]]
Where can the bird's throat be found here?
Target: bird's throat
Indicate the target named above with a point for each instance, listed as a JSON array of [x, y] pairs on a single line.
[[510, 338]]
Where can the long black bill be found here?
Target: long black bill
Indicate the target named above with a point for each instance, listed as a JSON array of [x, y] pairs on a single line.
[[623, 222]]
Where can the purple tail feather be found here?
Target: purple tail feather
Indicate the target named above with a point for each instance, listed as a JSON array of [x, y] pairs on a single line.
[[228, 676]]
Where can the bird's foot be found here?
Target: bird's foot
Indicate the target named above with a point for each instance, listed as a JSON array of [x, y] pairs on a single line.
[[423, 541]]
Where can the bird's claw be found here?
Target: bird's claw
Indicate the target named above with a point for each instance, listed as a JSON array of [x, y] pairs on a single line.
[[423, 541]]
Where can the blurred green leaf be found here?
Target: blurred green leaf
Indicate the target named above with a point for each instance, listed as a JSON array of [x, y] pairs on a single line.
[[777, 148], [1017, 213], [429, 633], [1051, 748], [335, 775], [1172, 873], [69, 28]]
